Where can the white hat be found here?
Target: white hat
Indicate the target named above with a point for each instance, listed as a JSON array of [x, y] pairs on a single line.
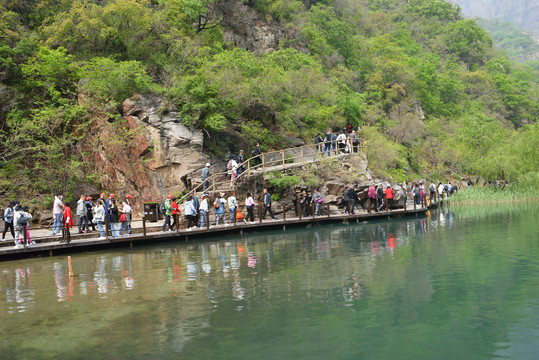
[[208, 164]]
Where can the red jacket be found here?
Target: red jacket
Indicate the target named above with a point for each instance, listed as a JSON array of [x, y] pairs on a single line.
[[175, 209], [389, 193], [67, 214]]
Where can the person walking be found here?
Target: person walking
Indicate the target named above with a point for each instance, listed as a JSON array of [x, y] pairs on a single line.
[[341, 142], [380, 197], [256, 154], [440, 191], [82, 215], [371, 194], [204, 176], [317, 200], [317, 144], [8, 220], [432, 191], [99, 218], [219, 205], [190, 212], [89, 214], [327, 142], [67, 225], [57, 213], [346, 199], [126, 213], [175, 212], [417, 194], [21, 219], [267, 205], [204, 211], [249, 205], [352, 196], [390, 194], [232, 205], [168, 214], [114, 218], [196, 205]]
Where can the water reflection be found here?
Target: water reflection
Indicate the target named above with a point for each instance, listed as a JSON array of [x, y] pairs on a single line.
[[175, 294]]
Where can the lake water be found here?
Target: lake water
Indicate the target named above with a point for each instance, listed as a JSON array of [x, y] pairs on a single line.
[[461, 283]]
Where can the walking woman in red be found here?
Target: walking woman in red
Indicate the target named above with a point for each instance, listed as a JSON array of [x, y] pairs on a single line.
[[68, 223]]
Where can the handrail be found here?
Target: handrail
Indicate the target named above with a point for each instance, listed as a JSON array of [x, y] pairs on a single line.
[[317, 156]]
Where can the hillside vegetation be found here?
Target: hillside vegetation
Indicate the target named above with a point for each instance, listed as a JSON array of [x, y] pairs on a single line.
[[431, 95]]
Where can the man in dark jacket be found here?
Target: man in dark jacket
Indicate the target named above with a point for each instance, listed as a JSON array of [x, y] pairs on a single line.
[[267, 205], [352, 196], [380, 197], [256, 152], [346, 199]]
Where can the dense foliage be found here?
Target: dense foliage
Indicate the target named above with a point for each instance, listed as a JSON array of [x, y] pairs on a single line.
[[431, 95]]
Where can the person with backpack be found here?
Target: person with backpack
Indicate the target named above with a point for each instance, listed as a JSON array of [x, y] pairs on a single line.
[[371, 195], [219, 205], [82, 214], [167, 207], [389, 196], [317, 200], [249, 204], [267, 205], [447, 188], [256, 154], [232, 205], [175, 211], [417, 194], [380, 197], [8, 220], [432, 191], [327, 142], [21, 219]]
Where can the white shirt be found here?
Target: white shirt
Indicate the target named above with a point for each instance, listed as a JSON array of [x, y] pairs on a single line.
[[204, 205]]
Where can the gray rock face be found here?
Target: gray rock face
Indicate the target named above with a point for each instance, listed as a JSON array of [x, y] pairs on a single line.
[[522, 13]]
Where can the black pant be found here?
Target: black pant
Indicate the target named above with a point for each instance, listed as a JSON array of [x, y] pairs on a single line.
[[352, 203], [191, 219], [389, 203], [8, 225], [268, 209], [250, 214], [380, 203]]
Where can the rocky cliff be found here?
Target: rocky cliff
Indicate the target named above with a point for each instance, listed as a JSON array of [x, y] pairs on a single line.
[[522, 13]]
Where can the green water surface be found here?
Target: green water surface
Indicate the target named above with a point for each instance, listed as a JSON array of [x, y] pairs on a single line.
[[461, 283]]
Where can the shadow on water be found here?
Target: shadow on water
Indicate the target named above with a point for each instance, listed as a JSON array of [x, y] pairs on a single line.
[[453, 284]]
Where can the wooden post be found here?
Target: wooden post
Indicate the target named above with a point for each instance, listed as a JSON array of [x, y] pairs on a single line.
[[327, 210], [144, 226], [370, 201], [68, 235], [249, 167], [313, 209], [107, 228], [387, 205], [405, 200], [235, 214], [282, 153], [213, 182], [260, 213], [284, 212], [414, 202], [300, 210], [24, 237], [177, 222], [263, 163], [208, 219]]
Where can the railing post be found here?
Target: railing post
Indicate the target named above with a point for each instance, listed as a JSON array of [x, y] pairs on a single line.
[[282, 153], [327, 210], [235, 214], [313, 209], [302, 154], [260, 213], [348, 207], [405, 200], [263, 163], [284, 212], [213, 182], [414, 202], [370, 201], [144, 226], [249, 167], [177, 222], [24, 237], [300, 210], [387, 205], [107, 228]]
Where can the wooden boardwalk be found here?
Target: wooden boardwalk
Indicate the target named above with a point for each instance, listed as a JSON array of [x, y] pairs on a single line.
[[49, 246]]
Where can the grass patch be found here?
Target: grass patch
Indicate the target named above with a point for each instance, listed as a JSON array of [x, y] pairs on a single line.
[[485, 194]]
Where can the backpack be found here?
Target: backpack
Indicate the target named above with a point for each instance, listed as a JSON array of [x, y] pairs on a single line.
[[372, 193], [216, 204], [22, 221], [446, 188], [432, 188], [162, 208]]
